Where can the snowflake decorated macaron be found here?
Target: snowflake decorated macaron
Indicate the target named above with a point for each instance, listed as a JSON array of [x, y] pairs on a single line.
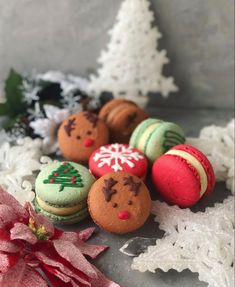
[[118, 157]]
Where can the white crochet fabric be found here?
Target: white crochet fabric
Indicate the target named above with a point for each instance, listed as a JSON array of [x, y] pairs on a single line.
[[131, 64], [202, 242]]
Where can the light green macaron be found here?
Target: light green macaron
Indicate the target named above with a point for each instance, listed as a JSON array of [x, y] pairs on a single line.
[[61, 191], [154, 137]]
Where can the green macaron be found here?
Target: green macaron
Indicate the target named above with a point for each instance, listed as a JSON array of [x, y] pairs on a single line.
[[154, 137], [61, 191]]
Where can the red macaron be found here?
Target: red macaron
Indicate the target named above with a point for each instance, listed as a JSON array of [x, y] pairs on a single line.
[[118, 157], [183, 175]]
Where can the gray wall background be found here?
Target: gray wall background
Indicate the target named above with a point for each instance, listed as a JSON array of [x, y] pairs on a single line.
[[69, 35]]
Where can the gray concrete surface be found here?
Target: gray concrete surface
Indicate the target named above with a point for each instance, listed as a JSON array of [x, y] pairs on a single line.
[[117, 265], [69, 35]]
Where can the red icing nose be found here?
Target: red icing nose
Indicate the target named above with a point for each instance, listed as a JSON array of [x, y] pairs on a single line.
[[123, 215], [88, 142]]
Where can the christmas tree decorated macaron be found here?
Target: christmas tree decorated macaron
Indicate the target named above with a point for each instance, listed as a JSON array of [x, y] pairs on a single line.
[[154, 137], [81, 134], [119, 202], [121, 116], [61, 192], [118, 157], [183, 175]]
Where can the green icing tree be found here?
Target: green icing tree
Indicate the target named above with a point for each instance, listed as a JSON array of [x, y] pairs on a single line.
[[66, 175]]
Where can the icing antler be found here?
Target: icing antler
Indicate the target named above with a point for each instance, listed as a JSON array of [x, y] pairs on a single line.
[[134, 186], [107, 189], [92, 118], [70, 127]]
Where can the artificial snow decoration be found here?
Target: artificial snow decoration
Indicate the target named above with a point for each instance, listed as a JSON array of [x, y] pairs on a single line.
[[47, 127], [218, 144], [4, 137], [30, 92], [69, 85], [17, 164], [35, 112], [132, 65], [115, 155], [68, 82], [202, 242], [27, 98]]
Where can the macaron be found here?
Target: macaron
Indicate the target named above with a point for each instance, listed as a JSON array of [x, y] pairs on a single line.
[[118, 157], [61, 192], [119, 202], [122, 117], [154, 137], [183, 175], [81, 134]]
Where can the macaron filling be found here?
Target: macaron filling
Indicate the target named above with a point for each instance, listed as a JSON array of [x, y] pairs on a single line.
[[196, 164], [116, 110], [141, 145], [61, 211]]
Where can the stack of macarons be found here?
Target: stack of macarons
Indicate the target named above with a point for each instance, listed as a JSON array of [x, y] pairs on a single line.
[[118, 147]]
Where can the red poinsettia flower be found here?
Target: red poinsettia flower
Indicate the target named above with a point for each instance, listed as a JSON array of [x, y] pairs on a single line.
[[33, 253]]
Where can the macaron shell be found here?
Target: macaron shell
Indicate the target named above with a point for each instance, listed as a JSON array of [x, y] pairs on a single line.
[[74, 148], [204, 162], [139, 167], [61, 211], [63, 220], [139, 130], [107, 108], [119, 131], [106, 216], [176, 180], [69, 196], [162, 139]]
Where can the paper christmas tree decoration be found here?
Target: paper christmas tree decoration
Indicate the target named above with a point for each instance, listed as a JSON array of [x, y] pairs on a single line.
[[66, 176], [131, 65]]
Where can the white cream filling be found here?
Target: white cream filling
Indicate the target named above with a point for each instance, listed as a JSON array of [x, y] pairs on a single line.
[[196, 164]]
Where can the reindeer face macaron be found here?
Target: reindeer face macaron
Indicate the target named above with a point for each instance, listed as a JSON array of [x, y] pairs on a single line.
[[81, 134], [119, 202]]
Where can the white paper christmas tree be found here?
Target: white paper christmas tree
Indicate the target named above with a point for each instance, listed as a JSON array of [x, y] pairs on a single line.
[[131, 65]]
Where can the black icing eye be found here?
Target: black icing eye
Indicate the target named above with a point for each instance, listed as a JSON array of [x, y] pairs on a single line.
[[78, 137], [89, 133], [115, 205], [130, 202]]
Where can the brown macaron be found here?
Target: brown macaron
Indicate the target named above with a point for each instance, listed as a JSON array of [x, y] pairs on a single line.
[[119, 202], [122, 117], [81, 134]]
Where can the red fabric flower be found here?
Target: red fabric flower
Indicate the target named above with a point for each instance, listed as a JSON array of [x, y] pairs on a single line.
[[34, 253]]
